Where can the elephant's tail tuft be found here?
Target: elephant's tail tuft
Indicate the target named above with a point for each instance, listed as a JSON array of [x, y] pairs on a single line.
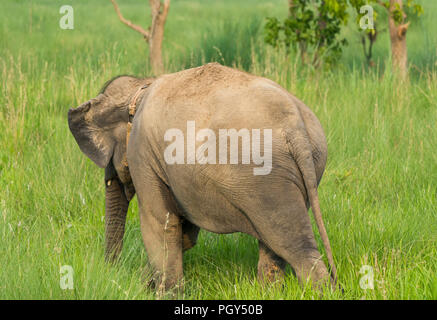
[[299, 147]]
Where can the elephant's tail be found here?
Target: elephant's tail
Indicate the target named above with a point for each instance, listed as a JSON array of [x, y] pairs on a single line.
[[300, 147]]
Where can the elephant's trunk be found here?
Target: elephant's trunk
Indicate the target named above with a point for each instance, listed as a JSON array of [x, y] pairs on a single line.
[[116, 206]]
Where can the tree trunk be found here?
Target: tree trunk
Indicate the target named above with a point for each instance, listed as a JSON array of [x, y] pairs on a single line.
[[155, 48], [398, 39], [291, 4], [159, 16], [155, 34]]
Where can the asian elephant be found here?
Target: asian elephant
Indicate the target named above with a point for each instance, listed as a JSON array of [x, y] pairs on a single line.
[[143, 132]]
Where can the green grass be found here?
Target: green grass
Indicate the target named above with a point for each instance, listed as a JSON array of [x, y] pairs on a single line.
[[378, 194]]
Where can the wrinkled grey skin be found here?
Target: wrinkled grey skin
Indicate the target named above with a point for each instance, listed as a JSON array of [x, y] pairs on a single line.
[[176, 200]]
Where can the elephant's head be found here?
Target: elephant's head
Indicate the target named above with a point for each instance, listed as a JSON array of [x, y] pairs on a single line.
[[100, 127]]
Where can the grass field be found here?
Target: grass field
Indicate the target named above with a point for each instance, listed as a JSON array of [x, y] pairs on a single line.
[[378, 194]]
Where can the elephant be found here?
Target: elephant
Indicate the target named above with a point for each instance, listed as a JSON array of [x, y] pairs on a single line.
[[181, 189]]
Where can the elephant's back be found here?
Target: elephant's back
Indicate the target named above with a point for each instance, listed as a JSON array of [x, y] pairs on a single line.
[[217, 97], [198, 83]]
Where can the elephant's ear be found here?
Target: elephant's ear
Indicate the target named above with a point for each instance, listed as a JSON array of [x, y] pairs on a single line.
[[97, 143]]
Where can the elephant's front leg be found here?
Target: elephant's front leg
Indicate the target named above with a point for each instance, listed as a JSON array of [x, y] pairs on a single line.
[[161, 228], [116, 206], [270, 266]]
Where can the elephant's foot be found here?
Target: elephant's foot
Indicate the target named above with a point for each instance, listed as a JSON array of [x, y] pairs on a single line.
[[164, 288], [310, 269], [113, 252], [167, 286]]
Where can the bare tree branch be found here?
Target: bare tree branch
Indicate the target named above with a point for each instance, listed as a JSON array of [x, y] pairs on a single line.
[[137, 28]]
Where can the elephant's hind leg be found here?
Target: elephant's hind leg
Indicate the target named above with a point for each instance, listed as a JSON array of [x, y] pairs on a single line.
[[161, 227], [284, 225]]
